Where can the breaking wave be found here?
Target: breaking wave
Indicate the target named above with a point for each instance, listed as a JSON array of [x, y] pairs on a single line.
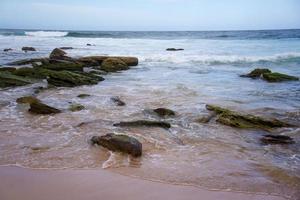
[[46, 33]]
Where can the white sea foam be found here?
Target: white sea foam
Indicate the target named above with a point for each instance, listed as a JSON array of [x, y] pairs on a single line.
[[46, 33]]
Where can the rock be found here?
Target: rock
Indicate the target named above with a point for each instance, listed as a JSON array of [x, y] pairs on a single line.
[[113, 65], [7, 69], [144, 123], [174, 49], [9, 80], [238, 120], [277, 139], [257, 73], [206, 119], [121, 143], [69, 66], [278, 77], [130, 61], [30, 72], [41, 108], [66, 48], [118, 101], [82, 96], [28, 49], [88, 61], [98, 72], [6, 50], [164, 112], [76, 107], [29, 61], [90, 44], [59, 54], [27, 99]]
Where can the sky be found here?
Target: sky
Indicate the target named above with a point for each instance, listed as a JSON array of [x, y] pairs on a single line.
[[150, 15]]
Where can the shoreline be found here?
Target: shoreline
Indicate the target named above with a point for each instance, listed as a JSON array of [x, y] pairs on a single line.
[[30, 184]]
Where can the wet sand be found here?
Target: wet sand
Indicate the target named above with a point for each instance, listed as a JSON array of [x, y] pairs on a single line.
[[32, 184]]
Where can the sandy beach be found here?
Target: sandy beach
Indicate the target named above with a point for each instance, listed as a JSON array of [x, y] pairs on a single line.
[[27, 184]]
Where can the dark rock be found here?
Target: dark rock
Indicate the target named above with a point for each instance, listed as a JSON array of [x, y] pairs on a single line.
[[7, 69], [9, 80], [121, 143], [82, 96], [277, 139], [66, 48], [30, 72], [68, 66], [113, 65], [6, 50], [40, 108], [27, 99], [144, 123], [238, 120], [164, 112], [174, 49], [28, 49], [90, 44], [257, 73], [278, 77], [59, 54], [118, 101], [76, 107]]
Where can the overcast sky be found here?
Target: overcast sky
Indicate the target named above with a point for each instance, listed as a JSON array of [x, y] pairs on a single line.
[[150, 14]]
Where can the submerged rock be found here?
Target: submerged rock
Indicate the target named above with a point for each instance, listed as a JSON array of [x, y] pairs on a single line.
[[28, 49], [27, 99], [257, 73], [277, 139], [144, 123], [238, 120], [118, 101], [113, 65], [174, 49], [82, 96], [41, 108], [8, 49], [278, 77], [10, 80], [164, 112], [121, 143], [76, 107]]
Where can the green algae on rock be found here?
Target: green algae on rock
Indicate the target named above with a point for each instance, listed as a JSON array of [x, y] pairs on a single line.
[[68, 66], [256, 73], [113, 65], [41, 108], [144, 123], [278, 77], [238, 120], [76, 107], [121, 143], [10, 80]]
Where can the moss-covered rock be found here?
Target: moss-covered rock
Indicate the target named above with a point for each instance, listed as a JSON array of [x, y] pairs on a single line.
[[41, 108], [113, 65], [164, 112], [27, 99], [10, 80], [238, 120], [30, 72], [256, 73], [130, 61], [121, 143], [278, 77], [82, 96], [68, 66], [144, 123], [76, 107]]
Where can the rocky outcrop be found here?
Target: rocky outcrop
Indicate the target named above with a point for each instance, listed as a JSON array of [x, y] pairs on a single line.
[[28, 49], [174, 49], [146, 123], [238, 120], [270, 76], [113, 65], [276, 139], [76, 107], [118, 101], [121, 143], [164, 112], [41, 108], [9, 80]]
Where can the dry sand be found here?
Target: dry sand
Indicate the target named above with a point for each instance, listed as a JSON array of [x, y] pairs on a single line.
[[31, 184]]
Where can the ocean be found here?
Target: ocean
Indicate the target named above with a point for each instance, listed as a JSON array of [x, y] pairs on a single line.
[[208, 71]]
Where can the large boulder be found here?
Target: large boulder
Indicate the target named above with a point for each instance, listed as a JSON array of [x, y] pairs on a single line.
[[121, 143], [41, 108], [28, 49], [10, 80], [256, 73], [238, 120], [113, 65], [146, 123], [278, 77]]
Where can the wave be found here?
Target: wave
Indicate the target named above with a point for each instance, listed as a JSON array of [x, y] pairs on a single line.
[[293, 57], [46, 33]]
